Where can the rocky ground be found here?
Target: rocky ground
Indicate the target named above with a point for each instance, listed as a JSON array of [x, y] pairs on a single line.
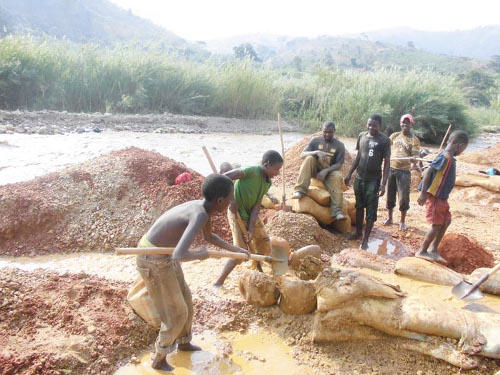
[[54, 122], [79, 322]]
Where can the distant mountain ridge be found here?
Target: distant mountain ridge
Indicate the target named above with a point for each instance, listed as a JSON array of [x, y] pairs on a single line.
[[479, 43]]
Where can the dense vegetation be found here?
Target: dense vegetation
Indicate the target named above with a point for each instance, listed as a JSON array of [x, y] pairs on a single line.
[[86, 78]]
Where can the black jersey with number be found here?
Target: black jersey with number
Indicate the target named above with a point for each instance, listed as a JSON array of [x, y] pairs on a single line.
[[373, 151]]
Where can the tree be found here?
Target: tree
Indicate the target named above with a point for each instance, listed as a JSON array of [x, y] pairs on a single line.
[[297, 63], [495, 63], [245, 50], [476, 85]]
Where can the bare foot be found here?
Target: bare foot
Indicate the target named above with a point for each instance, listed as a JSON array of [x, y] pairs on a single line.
[[424, 255], [160, 363], [364, 246], [437, 258], [387, 221], [188, 347], [402, 226]]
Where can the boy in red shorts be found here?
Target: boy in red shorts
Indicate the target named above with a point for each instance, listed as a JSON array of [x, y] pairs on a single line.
[[436, 186]]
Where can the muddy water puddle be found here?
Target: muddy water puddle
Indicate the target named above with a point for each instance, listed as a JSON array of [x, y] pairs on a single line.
[[255, 352], [113, 267]]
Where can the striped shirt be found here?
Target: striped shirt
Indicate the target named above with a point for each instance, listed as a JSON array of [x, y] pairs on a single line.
[[444, 173]]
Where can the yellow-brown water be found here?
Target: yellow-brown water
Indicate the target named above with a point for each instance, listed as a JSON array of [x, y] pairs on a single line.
[[256, 352]]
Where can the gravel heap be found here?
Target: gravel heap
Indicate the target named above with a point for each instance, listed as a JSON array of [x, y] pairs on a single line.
[[106, 202]]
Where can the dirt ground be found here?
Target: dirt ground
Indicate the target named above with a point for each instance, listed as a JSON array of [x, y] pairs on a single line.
[[79, 322]]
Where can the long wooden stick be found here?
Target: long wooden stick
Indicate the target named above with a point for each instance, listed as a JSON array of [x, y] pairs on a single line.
[[210, 161], [283, 196], [211, 253], [444, 139]]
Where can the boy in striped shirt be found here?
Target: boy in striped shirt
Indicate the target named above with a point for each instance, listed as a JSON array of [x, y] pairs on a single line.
[[436, 186]]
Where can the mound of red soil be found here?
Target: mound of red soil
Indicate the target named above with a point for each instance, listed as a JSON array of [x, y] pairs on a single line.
[[293, 161], [78, 323], [463, 254], [489, 156], [106, 202]]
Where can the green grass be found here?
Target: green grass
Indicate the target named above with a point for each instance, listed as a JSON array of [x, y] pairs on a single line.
[[57, 75]]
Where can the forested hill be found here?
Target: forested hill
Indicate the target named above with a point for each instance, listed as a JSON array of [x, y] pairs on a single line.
[[478, 43], [85, 21]]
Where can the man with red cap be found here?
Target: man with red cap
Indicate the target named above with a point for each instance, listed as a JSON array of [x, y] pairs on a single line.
[[405, 147]]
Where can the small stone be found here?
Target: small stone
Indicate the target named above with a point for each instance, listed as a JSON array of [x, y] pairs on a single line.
[[91, 329]]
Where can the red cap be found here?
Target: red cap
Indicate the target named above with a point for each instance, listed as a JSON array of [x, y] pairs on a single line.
[[407, 116]]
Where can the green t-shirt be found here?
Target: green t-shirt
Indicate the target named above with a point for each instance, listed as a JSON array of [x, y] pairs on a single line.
[[249, 189]]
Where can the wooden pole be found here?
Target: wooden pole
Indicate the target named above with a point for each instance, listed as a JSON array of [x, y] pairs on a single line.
[[210, 161], [444, 139], [283, 196]]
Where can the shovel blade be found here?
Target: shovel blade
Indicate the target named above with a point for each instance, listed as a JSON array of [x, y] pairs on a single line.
[[462, 288], [280, 260]]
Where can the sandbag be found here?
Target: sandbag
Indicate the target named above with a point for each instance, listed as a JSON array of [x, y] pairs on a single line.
[[298, 297], [267, 202], [350, 209], [485, 181], [317, 183], [343, 226], [298, 255], [319, 195], [334, 287], [307, 205], [492, 285], [424, 270], [258, 288], [142, 304], [310, 267], [363, 259], [279, 243]]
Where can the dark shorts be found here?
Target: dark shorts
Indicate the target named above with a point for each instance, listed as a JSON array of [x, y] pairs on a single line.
[[437, 210], [399, 182], [366, 193]]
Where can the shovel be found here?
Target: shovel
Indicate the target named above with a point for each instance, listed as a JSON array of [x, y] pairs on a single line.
[[278, 258], [471, 292]]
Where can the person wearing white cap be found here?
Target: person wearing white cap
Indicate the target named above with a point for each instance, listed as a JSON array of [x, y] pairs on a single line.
[[404, 144]]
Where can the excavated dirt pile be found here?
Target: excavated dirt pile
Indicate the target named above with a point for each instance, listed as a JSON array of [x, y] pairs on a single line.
[[97, 205], [301, 230], [78, 323], [489, 156], [463, 254], [293, 161]]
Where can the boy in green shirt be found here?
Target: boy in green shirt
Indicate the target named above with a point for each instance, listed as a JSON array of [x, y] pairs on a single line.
[[251, 185]]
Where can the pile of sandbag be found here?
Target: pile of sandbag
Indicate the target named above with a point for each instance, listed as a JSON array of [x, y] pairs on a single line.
[[491, 183], [317, 203]]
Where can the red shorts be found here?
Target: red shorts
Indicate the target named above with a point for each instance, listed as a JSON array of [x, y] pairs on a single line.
[[437, 210]]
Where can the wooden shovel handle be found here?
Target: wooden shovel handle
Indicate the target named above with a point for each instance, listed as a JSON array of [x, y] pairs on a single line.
[[170, 250]]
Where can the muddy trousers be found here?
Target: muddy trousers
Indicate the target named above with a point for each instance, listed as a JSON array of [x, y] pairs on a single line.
[[260, 242], [399, 182], [333, 183], [171, 296]]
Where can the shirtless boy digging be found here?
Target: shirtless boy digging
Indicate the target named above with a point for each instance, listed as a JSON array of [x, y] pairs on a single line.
[[163, 274]]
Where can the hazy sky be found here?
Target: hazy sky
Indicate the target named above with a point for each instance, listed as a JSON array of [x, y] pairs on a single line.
[[208, 19]]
